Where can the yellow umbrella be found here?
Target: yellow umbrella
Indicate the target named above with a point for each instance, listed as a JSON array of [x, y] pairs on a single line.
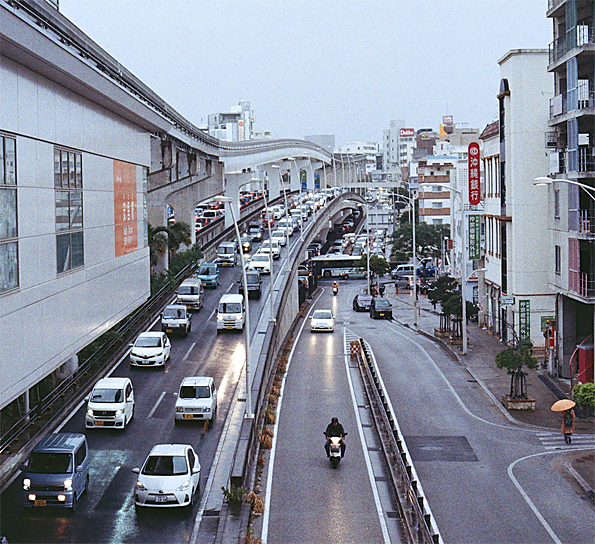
[[562, 405]]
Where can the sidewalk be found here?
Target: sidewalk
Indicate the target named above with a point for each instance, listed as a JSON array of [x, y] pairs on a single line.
[[480, 361]]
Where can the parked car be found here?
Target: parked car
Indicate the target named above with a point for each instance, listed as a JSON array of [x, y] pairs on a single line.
[[169, 477], [208, 273], [150, 349], [322, 320], [196, 400], [381, 307], [110, 404], [361, 303]]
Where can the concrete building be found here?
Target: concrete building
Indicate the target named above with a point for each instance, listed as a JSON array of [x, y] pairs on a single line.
[[435, 174], [517, 229], [367, 150], [73, 172], [235, 125], [571, 211], [398, 143]]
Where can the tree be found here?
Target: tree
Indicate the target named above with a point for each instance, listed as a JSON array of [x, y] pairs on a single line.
[[513, 359], [174, 235], [428, 239], [378, 265]]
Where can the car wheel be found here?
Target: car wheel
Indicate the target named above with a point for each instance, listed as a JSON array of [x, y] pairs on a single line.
[[327, 274], [74, 501]]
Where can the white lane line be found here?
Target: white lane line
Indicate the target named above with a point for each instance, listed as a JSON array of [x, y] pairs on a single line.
[[381, 518], [267, 496], [188, 352], [156, 404], [229, 288], [537, 513], [212, 314]]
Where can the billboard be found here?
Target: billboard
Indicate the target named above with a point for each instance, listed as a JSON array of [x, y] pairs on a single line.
[[407, 132], [473, 168], [125, 208]]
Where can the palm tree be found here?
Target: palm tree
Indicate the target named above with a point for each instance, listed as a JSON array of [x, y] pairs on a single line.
[[170, 238]]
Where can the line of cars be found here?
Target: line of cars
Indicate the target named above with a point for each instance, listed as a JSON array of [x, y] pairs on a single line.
[[378, 307]]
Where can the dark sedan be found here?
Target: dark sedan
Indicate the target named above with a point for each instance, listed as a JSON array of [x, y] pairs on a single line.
[[361, 303], [381, 308]]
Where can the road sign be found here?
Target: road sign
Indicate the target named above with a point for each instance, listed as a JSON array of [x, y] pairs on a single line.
[[507, 301], [473, 168]]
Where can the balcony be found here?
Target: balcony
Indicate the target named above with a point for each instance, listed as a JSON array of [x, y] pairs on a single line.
[[559, 104], [585, 161], [582, 283], [576, 37], [586, 222]]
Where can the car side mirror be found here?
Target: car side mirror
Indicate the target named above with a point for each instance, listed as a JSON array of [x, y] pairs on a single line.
[[136, 470], [130, 345], [175, 394], [87, 399], [195, 471]]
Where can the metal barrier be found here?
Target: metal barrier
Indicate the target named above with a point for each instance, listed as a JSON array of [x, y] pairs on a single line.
[[417, 516]]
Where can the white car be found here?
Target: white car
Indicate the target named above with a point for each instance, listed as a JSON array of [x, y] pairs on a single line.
[[260, 262], [272, 247], [322, 320], [150, 349], [169, 477], [279, 236], [197, 399], [111, 404]]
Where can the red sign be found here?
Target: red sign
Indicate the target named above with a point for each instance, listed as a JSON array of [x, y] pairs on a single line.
[[407, 132], [473, 166]]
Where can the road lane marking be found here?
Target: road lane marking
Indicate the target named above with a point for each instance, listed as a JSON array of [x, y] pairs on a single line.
[[212, 314], [188, 352], [360, 429], [156, 404], [269, 486], [229, 288]]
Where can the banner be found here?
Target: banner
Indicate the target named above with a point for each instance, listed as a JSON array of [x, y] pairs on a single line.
[[473, 168], [474, 230], [524, 319], [125, 208]]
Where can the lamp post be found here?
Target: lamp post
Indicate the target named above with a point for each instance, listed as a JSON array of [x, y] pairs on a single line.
[[541, 181], [268, 216], [248, 413], [277, 167], [292, 159]]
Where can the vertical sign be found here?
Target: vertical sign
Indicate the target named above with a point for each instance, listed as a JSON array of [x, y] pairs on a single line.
[[125, 208], [304, 179], [474, 236], [316, 181], [524, 319], [473, 168]]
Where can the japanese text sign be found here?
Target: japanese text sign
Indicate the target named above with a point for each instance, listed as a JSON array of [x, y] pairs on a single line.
[[473, 167]]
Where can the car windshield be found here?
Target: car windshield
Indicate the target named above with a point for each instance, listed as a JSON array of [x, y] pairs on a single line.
[[225, 250], [195, 392], [364, 298], [107, 395], [50, 463], [207, 271], [252, 278], [165, 465], [322, 314], [259, 258], [230, 308], [382, 303], [148, 342], [173, 313], [188, 290]]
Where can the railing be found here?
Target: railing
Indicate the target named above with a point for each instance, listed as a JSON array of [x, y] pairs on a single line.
[[586, 221], [585, 160], [576, 37], [559, 103], [582, 283]]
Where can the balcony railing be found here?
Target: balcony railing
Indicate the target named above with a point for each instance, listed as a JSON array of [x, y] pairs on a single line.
[[575, 37], [559, 104], [586, 221], [582, 283], [585, 161]]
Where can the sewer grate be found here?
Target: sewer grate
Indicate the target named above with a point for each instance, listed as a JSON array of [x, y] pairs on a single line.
[[440, 448], [211, 513], [392, 514]]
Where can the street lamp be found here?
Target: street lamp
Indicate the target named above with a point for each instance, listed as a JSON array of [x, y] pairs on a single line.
[[268, 222], [292, 159], [277, 167], [544, 180], [248, 413]]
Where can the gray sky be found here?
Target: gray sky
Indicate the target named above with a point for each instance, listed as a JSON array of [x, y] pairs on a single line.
[[340, 67]]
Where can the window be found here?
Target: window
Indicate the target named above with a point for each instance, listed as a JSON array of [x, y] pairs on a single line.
[[436, 204], [558, 257], [9, 255], [557, 203], [68, 184]]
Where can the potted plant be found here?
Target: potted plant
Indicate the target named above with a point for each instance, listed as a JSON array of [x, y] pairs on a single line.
[[513, 360]]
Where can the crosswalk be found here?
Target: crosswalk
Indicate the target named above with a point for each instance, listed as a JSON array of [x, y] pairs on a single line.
[[555, 440]]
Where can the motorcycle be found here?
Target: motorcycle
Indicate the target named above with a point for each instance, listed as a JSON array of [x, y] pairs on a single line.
[[335, 443], [335, 290]]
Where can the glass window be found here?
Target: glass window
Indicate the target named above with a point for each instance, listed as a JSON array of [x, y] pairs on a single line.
[[63, 253], [558, 258], [1, 160], [10, 163], [71, 176], [64, 156], [79, 171], [76, 209], [8, 214], [9, 266], [57, 171], [78, 257], [62, 211]]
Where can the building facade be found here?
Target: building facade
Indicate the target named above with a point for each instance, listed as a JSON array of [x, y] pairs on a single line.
[[74, 258], [571, 211], [398, 144], [235, 125]]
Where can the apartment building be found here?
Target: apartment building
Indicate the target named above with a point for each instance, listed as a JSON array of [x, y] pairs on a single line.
[[398, 144], [237, 124], [571, 210]]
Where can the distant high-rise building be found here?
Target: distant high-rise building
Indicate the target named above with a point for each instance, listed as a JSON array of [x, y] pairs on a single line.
[[398, 145], [238, 124]]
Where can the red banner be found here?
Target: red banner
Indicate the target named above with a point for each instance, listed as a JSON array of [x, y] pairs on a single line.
[[473, 167]]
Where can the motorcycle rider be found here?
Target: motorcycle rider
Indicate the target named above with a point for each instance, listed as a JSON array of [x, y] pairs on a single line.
[[334, 428], [335, 287]]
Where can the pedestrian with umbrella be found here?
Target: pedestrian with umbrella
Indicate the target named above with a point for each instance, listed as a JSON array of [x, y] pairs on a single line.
[[565, 407]]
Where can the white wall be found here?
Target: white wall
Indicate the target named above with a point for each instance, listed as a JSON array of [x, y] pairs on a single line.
[[49, 318]]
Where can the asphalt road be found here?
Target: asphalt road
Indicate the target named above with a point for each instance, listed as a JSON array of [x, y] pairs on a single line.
[[107, 513]]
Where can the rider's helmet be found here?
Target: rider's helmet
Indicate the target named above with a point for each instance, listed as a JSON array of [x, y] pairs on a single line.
[[334, 421]]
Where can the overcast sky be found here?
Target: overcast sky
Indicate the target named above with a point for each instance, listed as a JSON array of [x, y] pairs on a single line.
[[342, 67]]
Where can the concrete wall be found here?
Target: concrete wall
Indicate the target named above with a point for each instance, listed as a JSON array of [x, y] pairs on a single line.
[[50, 317]]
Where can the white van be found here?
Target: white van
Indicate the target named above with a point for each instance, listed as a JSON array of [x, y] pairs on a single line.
[[401, 271], [191, 294], [111, 404], [227, 254], [231, 312], [197, 399]]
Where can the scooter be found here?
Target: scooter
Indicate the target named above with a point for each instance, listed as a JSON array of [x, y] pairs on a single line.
[[335, 448], [335, 289]]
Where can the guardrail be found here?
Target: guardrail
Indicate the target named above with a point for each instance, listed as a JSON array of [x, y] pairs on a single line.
[[416, 514]]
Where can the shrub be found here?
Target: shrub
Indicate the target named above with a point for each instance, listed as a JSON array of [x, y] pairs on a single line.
[[584, 395], [234, 494]]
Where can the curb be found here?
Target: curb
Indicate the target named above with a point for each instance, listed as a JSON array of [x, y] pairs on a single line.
[[580, 480]]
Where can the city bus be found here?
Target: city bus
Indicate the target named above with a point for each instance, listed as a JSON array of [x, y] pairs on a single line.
[[332, 266]]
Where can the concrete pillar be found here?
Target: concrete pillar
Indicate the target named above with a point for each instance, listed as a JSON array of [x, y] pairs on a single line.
[[273, 180], [233, 183]]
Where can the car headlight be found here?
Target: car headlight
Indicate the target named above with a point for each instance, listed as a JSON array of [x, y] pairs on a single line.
[[139, 486], [219, 317], [89, 412], [26, 484], [184, 486], [68, 485], [119, 412], [179, 409], [238, 317], [206, 409], [134, 354]]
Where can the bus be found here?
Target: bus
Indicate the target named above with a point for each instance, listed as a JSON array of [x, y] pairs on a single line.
[[332, 266]]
